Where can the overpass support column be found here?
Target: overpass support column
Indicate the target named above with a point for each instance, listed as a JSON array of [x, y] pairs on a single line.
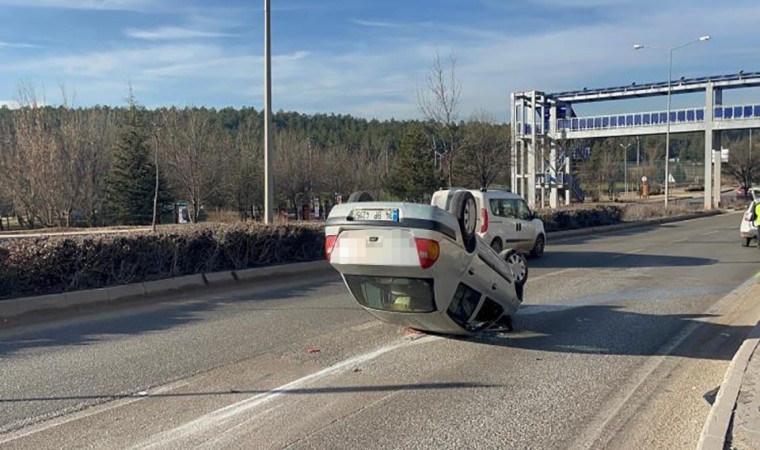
[[513, 146], [567, 177], [709, 137], [553, 161], [531, 178]]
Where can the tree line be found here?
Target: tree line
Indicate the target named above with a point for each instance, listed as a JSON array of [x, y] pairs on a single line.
[[65, 166]]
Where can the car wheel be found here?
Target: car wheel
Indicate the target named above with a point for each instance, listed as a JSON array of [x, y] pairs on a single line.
[[538, 247], [464, 208], [519, 266], [360, 196], [746, 241], [496, 245]]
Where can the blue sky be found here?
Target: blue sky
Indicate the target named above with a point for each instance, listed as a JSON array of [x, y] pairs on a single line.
[[363, 57]]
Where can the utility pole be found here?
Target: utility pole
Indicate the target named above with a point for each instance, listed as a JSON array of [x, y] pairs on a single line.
[[268, 166]]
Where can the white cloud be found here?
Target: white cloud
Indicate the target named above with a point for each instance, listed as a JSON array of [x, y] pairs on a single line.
[[370, 23], [4, 44], [10, 104], [172, 33]]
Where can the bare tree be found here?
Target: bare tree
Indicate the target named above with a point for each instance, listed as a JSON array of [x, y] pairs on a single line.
[[742, 165], [484, 149], [439, 100], [194, 164]]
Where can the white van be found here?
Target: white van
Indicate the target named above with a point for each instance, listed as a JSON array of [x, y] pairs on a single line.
[[504, 220]]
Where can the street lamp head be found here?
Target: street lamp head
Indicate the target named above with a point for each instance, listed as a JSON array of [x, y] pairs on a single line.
[[704, 38], [637, 46]]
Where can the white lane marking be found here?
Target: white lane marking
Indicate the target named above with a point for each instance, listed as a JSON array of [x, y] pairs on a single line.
[[713, 232], [218, 417], [629, 253], [682, 240], [98, 409]]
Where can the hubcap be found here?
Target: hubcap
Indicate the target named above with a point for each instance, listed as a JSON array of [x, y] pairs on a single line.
[[470, 216], [518, 266]]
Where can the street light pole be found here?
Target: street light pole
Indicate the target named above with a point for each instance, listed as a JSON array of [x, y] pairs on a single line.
[[667, 120], [268, 170]]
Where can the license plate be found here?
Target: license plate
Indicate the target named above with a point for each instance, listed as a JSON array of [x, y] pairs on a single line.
[[383, 214]]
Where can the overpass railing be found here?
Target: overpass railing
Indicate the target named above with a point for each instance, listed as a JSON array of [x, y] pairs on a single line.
[[657, 118]]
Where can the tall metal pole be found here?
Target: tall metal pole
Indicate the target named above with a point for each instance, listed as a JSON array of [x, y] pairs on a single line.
[[667, 128], [667, 134], [268, 156]]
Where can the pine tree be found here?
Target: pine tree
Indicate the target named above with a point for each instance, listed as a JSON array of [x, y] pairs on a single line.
[[414, 173], [131, 181]]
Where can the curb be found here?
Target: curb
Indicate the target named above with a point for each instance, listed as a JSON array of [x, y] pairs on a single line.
[[20, 306], [628, 225], [715, 429]]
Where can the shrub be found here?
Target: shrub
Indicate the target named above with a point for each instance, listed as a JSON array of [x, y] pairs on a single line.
[[46, 265]]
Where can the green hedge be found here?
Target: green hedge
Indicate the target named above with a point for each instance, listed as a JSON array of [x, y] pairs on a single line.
[[38, 266], [571, 219]]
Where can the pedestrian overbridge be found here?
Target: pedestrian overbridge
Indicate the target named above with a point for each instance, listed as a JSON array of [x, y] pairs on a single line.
[[540, 121]]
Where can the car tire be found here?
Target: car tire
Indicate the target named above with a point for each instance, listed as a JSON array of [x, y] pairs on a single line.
[[496, 245], [538, 246], [464, 208], [519, 265], [360, 196]]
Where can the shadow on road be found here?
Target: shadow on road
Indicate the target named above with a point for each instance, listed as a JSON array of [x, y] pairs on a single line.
[[160, 313], [592, 259], [612, 330], [301, 391]]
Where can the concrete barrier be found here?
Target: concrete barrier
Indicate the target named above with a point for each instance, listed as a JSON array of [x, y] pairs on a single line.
[[190, 281], [158, 286], [54, 301], [8, 308], [284, 270], [87, 297], [125, 291], [215, 278]]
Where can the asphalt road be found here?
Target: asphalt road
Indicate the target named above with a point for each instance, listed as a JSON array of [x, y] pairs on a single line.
[[621, 344]]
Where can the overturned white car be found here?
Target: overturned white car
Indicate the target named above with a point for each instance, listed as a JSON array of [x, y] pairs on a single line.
[[421, 266]]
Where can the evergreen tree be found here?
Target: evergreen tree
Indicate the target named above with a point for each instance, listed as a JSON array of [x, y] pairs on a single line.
[[414, 173], [131, 182]]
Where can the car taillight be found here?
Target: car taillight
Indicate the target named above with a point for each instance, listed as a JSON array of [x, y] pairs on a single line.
[[484, 216], [428, 251], [330, 242]]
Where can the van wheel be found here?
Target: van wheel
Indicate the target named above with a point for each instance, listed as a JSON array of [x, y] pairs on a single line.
[[538, 247], [464, 208], [496, 245], [360, 196]]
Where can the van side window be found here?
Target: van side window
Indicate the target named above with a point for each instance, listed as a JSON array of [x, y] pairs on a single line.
[[503, 208], [523, 212]]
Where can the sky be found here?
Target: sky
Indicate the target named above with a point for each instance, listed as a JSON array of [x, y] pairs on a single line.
[[366, 58]]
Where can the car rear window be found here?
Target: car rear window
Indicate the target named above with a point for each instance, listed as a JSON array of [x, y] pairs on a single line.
[[409, 295]]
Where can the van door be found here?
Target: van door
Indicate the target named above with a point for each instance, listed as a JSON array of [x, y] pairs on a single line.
[[526, 232], [502, 221]]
